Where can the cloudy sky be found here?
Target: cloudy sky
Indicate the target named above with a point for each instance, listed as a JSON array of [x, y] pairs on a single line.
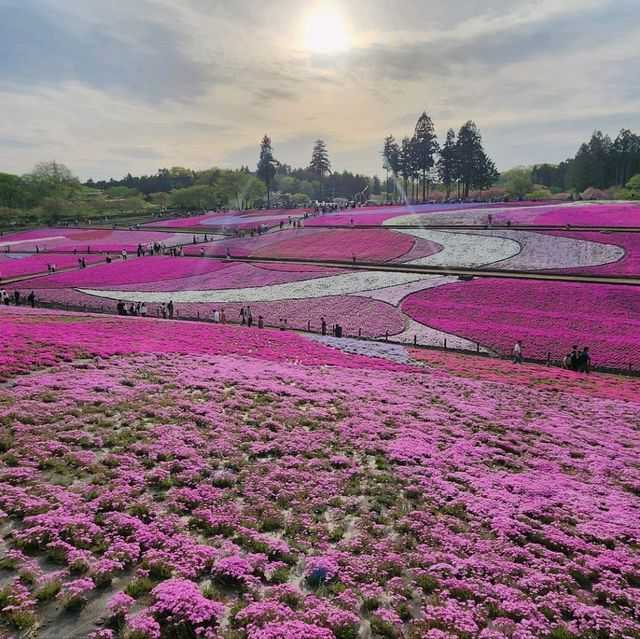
[[134, 85]]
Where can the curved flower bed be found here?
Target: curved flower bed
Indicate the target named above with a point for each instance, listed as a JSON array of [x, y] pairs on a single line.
[[369, 245], [369, 317], [547, 316], [253, 489], [629, 264], [21, 264], [55, 239], [132, 271], [537, 214]]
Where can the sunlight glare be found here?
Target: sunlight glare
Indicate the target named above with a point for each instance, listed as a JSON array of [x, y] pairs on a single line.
[[325, 32]]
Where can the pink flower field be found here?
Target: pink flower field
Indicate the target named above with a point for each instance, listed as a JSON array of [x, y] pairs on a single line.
[[170, 479], [370, 245], [547, 316], [22, 264], [62, 239]]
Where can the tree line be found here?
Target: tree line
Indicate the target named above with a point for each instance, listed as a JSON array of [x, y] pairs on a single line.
[[602, 166], [419, 162]]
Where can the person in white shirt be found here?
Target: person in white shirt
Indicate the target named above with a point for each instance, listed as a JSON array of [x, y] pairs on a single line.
[[216, 317], [517, 352]]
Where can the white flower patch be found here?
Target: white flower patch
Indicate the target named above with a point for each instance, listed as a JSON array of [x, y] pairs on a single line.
[[322, 287], [392, 352], [541, 252], [427, 336], [395, 294], [462, 250]]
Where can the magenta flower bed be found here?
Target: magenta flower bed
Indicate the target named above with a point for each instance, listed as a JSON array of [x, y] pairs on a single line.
[[55, 239], [20, 264], [616, 214], [369, 317], [547, 316], [370, 245], [217, 482], [158, 269], [238, 275], [41, 338]]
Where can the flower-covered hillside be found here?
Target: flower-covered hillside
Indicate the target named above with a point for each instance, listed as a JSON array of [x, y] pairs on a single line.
[[253, 489]]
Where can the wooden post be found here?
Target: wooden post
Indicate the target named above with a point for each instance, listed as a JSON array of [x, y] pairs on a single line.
[[360, 333], [415, 340], [445, 343], [386, 336]]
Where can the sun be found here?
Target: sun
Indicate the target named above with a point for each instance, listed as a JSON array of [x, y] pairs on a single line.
[[325, 32]]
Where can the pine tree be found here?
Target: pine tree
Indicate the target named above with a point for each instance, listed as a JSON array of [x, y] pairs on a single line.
[[267, 166], [320, 163], [475, 169], [425, 146], [448, 162]]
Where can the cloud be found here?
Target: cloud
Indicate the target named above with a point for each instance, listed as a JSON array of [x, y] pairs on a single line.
[[136, 54], [124, 86]]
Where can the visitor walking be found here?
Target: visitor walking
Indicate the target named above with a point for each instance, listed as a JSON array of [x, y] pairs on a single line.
[[170, 308], [243, 319], [584, 361], [260, 321], [223, 317], [216, 317], [517, 352], [570, 362], [323, 326], [143, 310], [163, 310], [249, 317], [32, 299]]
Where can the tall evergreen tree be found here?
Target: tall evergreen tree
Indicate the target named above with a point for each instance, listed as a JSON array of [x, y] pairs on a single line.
[[405, 164], [320, 163], [475, 169], [448, 162], [425, 146], [267, 166], [389, 154]]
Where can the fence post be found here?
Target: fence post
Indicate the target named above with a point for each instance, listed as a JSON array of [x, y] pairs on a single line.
[[198, 314], [308, 326], [415, 340], [445, 343], [478, 347], [360, 333], [386, 336]]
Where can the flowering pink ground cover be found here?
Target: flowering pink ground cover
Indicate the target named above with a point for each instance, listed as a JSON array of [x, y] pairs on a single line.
[[612, 214], [534, 376], [356, 315], [132, 271], [57, 239], [194, 481], [547, 316], [369, 245], [20, 264]]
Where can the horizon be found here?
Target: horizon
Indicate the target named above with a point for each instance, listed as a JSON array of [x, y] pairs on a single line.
[[114, 90]]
